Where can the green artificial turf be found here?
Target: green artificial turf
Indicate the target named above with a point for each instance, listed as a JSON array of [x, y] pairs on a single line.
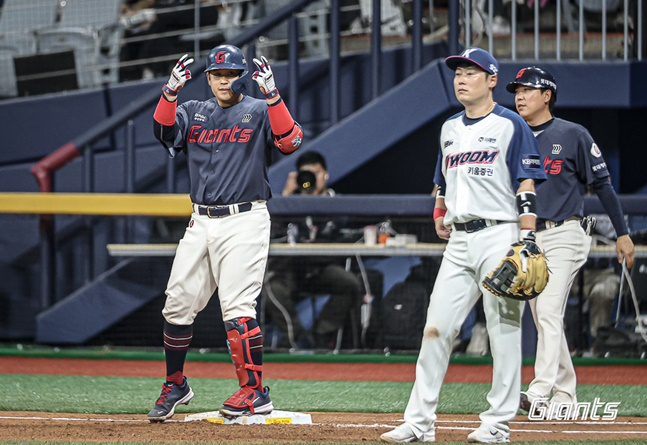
[[132, 395]]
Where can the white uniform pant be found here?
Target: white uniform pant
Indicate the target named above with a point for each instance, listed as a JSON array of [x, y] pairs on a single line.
[[468, 258], [229, 254], [566, 248]]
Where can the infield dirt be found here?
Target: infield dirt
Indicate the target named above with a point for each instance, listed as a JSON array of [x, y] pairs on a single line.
[[326, 427]]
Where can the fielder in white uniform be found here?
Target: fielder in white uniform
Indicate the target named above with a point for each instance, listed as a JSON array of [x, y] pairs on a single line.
[[572, 162], [487, 167]]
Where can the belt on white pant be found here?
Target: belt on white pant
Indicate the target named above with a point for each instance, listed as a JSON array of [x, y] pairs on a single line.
[[222, 211], [543, 224], [476, 225]]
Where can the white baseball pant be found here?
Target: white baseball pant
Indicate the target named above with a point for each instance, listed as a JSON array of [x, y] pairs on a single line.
[[468, 258], [229, 254], [566, 248]]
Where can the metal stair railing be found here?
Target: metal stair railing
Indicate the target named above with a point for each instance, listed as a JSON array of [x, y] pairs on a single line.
[[83, 144]]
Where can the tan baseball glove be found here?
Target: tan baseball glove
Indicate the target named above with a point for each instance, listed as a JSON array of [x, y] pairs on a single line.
[[521, 275]]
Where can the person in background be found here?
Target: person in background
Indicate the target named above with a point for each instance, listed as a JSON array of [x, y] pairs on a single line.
[[289, 278], [315, 163], [153, 33], [572, 162]]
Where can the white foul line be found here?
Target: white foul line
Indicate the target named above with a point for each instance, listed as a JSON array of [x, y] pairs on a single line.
[[375, 425]]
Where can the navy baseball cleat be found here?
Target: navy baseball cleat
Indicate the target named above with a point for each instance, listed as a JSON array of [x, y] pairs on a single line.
[[247, 401], [172, 395]]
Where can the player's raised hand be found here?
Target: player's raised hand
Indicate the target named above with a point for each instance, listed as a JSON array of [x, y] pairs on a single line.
[[179, 75], [264, 78]]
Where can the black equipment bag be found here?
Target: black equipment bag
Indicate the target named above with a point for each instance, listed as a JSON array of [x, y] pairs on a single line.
[[403, 313]]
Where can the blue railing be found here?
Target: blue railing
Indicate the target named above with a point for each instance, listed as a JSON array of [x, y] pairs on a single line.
[[458, 19], [83, 144]]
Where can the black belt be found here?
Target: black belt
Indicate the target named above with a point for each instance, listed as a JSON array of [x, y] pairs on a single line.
[[476, 225], [221, 211], [543, 224]]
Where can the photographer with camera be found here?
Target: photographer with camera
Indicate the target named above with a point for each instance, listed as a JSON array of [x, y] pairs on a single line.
[[292, 279], [311, 177]]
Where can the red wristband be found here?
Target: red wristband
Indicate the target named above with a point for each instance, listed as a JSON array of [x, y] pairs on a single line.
[[165, 112], [280, 118], [439, 213]]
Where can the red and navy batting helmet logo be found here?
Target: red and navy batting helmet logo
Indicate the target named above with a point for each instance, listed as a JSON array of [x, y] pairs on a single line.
[[520, 73], [221, 56]]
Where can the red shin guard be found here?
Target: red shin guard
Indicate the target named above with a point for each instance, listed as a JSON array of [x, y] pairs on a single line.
[[241, 338]]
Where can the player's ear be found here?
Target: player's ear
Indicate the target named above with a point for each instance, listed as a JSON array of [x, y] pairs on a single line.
[[493, 80], [548, 96]]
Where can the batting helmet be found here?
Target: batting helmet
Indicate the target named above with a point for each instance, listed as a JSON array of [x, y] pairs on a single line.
[[229, 57], [533, 77]]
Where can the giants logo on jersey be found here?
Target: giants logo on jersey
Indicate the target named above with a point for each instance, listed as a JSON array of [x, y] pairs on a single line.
[[471, 157], [553, 167], [199, 135]]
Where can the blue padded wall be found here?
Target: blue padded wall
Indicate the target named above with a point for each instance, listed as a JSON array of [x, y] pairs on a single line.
[[389, 147], [36, 126]]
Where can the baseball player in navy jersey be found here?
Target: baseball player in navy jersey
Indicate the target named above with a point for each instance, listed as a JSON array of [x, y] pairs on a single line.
[[572, 162], [228, 141], [487, 165]]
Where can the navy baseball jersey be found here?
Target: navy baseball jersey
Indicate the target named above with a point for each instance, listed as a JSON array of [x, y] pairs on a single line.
[[573, 161], [228, 150], [484, 160]]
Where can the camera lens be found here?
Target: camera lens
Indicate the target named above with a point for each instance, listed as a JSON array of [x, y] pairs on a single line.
[[307, 181]]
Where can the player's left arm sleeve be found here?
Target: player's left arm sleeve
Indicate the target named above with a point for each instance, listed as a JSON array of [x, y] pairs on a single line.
[[439, 178], [611, 204], [523, 158], [591, 166], [288, 134]]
